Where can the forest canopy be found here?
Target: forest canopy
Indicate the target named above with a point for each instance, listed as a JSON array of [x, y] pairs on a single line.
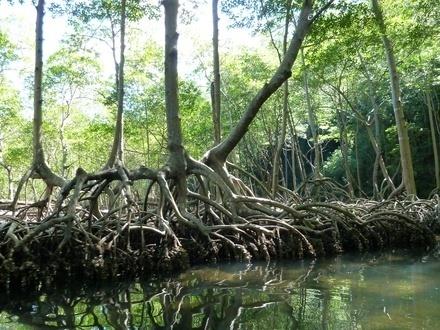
[[257, 142], [343, 64]]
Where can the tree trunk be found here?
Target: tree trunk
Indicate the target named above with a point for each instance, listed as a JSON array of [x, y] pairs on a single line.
[[39, 163], [402, 129], [312, 123], [219, 153], [375, 138], [379, 157], [10, 183], [176, 160], [282, 138], [117, 151], [298, 153], [344, 150], [8, 170], [64, 149], [38, 77], [293, 164], [215, 92], [432, 124], [371, 136], [358, 168]]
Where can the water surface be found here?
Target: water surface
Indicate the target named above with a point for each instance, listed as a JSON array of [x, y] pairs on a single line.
[[388, 291]]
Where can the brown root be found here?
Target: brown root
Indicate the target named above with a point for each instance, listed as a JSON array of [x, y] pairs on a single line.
[[216, 222]]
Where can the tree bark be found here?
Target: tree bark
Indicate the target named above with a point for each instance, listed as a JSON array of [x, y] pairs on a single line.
[[176, 160], [219, 153], [39, 163], [216, 95], [38, 77], [432, 124], [64, 148], [312, 123], [358, 168], [8, 170], [297, 150], [282, 138], [298, 153], [402, 129], [117, 151], [343, 139]]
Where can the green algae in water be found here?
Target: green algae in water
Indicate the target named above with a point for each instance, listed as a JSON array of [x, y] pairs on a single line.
[[390, 291]]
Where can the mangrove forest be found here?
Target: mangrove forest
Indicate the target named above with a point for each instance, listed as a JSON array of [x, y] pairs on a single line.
[[141, 138]]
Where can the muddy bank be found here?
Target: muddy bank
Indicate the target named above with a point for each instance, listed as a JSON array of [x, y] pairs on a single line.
[[130, 253]]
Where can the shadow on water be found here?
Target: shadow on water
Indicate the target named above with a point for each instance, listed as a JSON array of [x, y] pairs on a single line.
[[388, 291]]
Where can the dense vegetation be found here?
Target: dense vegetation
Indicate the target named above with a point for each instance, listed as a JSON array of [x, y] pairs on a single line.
[[244, 156], [344, 64]]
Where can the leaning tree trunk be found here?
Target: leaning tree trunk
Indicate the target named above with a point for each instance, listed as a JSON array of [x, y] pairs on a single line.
[[215, 86], [216, 157], [402, 129], [117, 151]]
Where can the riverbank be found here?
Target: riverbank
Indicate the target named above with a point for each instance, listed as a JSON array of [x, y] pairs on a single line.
[[129, 252]]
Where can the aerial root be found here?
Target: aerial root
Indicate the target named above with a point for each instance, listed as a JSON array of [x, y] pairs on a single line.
[[216, 223]]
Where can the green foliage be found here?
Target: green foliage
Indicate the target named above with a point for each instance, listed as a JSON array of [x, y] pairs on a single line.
[[9, 105], [71, 67], [106, 9], [344, 50], [196, 118], [7, 51], [334, 167], [15, 136]]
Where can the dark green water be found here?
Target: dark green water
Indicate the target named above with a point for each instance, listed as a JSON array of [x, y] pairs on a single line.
[[388, 291]]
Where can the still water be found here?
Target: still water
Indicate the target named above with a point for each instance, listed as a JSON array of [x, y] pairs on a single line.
[[387, 291]]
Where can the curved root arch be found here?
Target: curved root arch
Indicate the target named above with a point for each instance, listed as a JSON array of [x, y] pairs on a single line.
[[221, 219]]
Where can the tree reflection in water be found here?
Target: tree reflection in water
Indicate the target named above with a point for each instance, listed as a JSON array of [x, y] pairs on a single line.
[[332, 295]]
